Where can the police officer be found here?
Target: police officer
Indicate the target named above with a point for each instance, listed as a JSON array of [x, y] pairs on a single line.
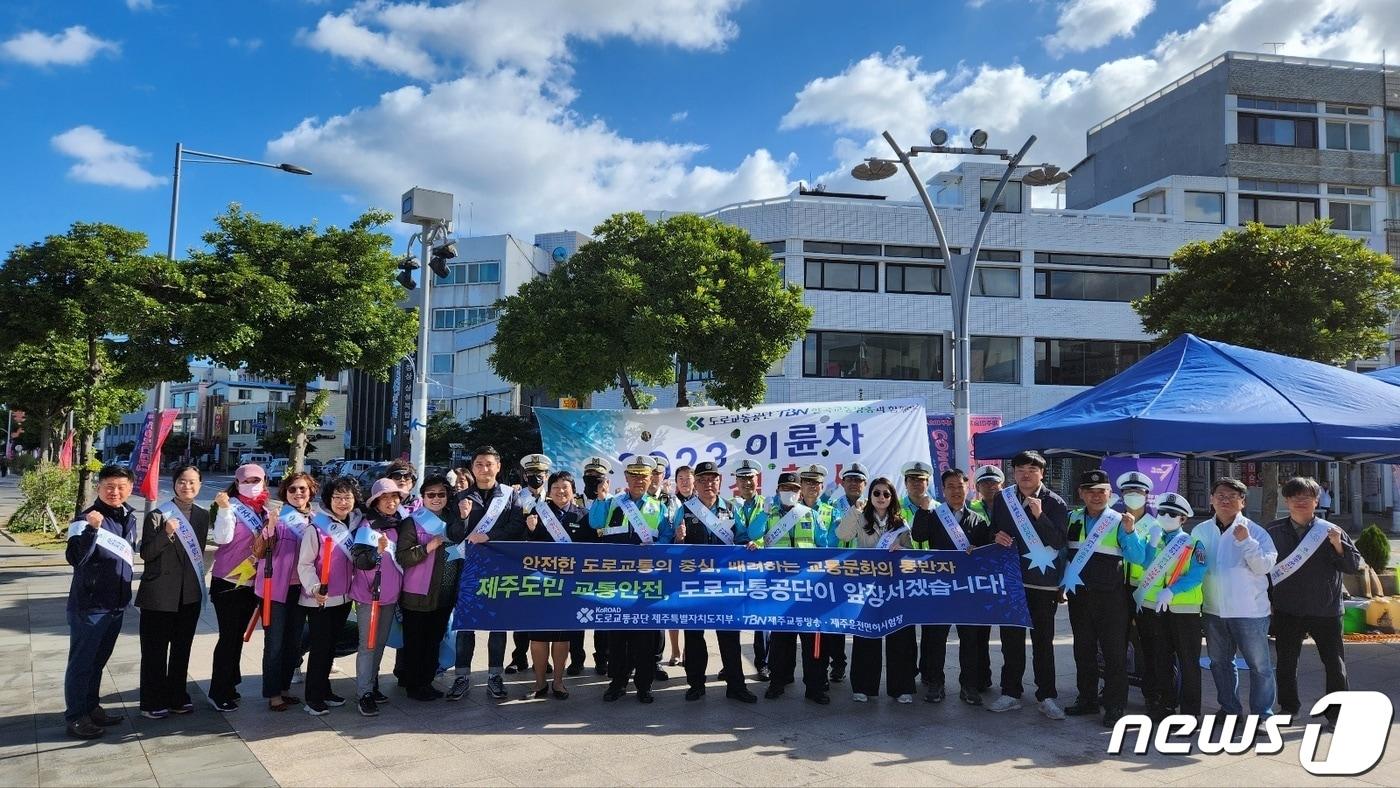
[[707, 518], [797, 519], [658, 491], [989, 480], [813, 480], [853, 479], [1135, 488], [1098, 611], [595, 486], [1169, 606], [751, 512], [534, 469], [917, 475], [631, 517]]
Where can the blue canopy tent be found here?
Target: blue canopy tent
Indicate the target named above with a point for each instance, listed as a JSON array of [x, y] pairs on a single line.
[[1390, 375], [1209, 400]]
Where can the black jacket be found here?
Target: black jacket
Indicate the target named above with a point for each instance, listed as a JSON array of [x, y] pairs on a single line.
[[573, 518], [1052, 526], [168, 579], [101, 581], [928, 528], [509, 527], [1315, 589], [697, 533]]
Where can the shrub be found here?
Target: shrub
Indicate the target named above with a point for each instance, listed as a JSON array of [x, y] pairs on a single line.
[[1374, 547], [22, 464], [46, 488]]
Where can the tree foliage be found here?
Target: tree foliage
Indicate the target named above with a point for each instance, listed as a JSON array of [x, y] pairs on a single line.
[[643, 303], [443, 431], [513, 436]]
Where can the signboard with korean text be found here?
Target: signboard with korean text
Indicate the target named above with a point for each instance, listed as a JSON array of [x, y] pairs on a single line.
[[549, 586], [882, 435], [940, 441]]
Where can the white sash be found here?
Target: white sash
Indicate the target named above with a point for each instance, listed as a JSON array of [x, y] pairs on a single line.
[[493, 513], [107, 540], [370, 537], [950, 524], [245, 515], [797, 512], [335, 530], [634, 518], [552, 524], [888, 537], [1108, 519], [1311, 541], [1167, 557], [526, 499], [710, 519], [292, 519], [188, 538], [1040, 556]]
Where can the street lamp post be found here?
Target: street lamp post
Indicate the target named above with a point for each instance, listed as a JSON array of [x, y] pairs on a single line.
[[963, 265]]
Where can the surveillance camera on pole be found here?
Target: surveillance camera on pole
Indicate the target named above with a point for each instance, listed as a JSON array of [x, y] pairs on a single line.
[[432, 211]]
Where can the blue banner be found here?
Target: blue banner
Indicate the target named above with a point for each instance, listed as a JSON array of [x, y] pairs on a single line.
[[548, 586]]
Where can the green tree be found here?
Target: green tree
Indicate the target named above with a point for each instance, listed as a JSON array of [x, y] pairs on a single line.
[[513, 436], [93, 303], [298, 303], [1300, 291], [443, 431], [644, 303]]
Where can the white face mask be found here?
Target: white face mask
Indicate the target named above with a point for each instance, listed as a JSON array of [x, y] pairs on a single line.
[[250, 489], [1134, 500], [787, 497], [1171, 522]]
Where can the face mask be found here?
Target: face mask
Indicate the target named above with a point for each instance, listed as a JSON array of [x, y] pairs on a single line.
[[590, 486], [250, 489], [787, 497], [535, 480], [1171, 523], [1134, 500]]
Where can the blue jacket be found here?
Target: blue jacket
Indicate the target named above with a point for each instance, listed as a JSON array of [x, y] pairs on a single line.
[[101, 581]]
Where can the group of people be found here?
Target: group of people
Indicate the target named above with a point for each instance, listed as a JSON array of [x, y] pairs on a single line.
[[293, 564]]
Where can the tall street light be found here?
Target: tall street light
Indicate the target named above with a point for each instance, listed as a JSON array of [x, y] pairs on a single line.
[[961, 266]]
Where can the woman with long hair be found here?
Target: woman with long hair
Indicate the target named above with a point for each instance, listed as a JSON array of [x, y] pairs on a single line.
[[878, 524], [278, 548]]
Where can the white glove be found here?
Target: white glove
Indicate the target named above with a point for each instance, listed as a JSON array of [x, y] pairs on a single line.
[[1164, 600]]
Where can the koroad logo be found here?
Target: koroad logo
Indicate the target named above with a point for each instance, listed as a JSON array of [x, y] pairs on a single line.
[[584, 615], [694, 423], [1357, 743]]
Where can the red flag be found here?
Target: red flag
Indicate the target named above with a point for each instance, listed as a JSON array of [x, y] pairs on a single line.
[[65, 455], [150, 481]]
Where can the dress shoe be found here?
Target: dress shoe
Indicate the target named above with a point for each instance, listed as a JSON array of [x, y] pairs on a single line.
[[773, 692], [1081, 709], [613, 693], [84, 728], [100, 716], [741, 694], [819, 697], [644, 696], [1111, 716], [695, 693]]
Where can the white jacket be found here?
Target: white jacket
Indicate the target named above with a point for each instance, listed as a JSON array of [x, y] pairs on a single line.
[[1237, 573]]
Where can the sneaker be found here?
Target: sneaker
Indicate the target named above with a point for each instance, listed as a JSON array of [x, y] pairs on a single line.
[[575, 668], [1051, 709], [905, 698], [763, 675], [496, 687], [316, 708], [660, 675], [368, 708], [379, 697], [820, 698], [838, 675], [84, 728], [100, 716], [335, 701], [970, 696], [1111, 716], [859, 697], [297, 676], [935, 694], [224, 706], [155, 714], [1081, 709], [460, 687], [183, 708], [1004, 703], [773, 692]]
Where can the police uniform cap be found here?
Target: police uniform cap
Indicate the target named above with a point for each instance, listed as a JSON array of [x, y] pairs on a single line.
[[641, 463], [1095, 479], [988, 472], [747, 468], [787, 477], [706, 468], [536, 462], [855, 469], [917, 469], [598, 465], [661, 463], [1134, 479], [1173, 504], [813, 472]]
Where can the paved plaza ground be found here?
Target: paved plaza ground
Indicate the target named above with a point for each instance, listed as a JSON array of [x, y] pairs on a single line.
[[580, 741]]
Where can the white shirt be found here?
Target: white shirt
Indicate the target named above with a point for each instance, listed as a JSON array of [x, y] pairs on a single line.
[[1237, 573]]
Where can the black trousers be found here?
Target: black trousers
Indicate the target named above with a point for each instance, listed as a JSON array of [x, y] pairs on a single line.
[[325, 625], [600, 647], [760, 649], [520, 655], [1042, 604], [631, 651], [577, 653], [1145, 647], [422, 637], [697, 658], [782, 660], [233, 607], [900, 652], [838, 653], [1326, 632], [165, 656], [1177, 639], [1100, 623], [974, 657]]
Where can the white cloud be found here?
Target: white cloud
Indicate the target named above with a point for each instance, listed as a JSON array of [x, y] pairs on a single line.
[[102, 161], [140, 5], [1011, 102], [1088, 24], [677, 117], [73, 47], [248, 44]]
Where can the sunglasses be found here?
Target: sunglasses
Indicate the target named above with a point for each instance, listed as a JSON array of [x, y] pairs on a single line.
[[435, 495], [299, 488], [399, 476], [881, 494]]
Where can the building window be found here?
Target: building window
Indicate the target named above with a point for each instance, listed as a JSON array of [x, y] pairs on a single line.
[[274, 396], [1155, 202], [1081, 362], [481, 273], [475, 359], [1118, 261], [1348, 136], [1343, 109], [917, 252], [1010, 201], [996, 282], [924, 279], [1205, 207], [775, 247], [999, 255], [1092, 285], [1352, 216], [1276, 211], [1275, 105], [828, 247], [1282, 187], [1285, 132], [452, 319], [996, 359], [441, 364], [840, 275], [1350, 191], [837, 354], [245, 394]]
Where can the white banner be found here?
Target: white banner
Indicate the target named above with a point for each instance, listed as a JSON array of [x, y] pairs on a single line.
[[882, 435]]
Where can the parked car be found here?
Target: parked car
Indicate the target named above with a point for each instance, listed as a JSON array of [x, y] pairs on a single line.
[[367, 477], [434, 470], [312, 467], [258, 458], [276, 470], [353, 468]]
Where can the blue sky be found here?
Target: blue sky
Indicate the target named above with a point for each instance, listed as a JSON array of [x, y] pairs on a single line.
[[549, 115]]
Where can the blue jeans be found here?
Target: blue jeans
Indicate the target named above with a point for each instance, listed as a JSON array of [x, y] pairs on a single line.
[[495, 651], [91, 636], [1251, 637]]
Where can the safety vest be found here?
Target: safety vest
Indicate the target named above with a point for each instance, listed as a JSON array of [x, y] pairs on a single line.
[[1144, 525], [813, 530], [839, 506], [652, 513], [1187, 600], [980, 506]]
